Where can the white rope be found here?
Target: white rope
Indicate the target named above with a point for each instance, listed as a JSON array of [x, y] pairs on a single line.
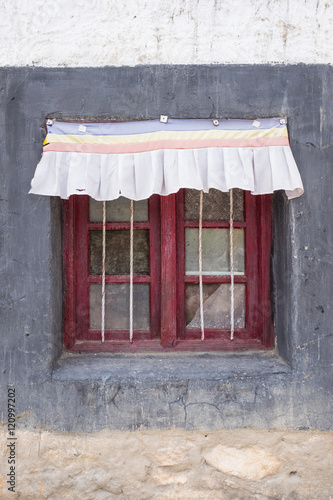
[[103, 270], [131, 274], [202, 326], [232, 284]]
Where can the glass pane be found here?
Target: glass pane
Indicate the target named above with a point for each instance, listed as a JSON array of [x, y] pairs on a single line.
[[118, 251], [117, 298], [216, 305], [215, 251], [118, 210], [215, 206]]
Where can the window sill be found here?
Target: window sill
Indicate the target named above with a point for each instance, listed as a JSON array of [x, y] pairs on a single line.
[[240, 343], [159, 367]]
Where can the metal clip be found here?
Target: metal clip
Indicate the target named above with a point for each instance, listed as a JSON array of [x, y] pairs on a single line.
[[216, 123], [49, 122], [164, 118], [283, 121]]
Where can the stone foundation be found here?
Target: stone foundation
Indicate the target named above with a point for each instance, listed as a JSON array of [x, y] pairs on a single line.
[[171, 464]]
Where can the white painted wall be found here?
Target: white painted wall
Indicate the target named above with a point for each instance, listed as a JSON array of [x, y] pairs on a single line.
[[131, 32]]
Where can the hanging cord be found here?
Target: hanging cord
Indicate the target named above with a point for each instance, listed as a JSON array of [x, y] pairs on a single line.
[[131, 274], [103, 270], [232, 284], [202, 326]]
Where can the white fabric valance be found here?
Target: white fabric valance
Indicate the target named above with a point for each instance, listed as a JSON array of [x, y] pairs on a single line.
[[138, 159]]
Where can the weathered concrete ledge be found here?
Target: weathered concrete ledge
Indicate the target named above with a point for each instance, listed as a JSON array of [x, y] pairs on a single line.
[[168, 366]]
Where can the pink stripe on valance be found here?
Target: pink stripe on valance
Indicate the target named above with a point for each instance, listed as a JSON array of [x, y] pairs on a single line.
[[160, 145]]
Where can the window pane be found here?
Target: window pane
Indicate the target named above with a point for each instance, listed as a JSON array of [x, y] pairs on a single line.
[[118, 210], [216, 205], [118, 251], [215, 251], [216, 305], [117, 298]]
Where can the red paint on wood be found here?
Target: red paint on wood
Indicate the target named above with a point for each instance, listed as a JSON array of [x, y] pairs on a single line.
[[180, 232], [258, 244], [68, 265], [77, 277], [264, 258], [81, 259], [252, 303], [212, 224], [155, 266], [167, 280], [238, 278], [120, 278], [118, 225], [180, 346], [168, 271]]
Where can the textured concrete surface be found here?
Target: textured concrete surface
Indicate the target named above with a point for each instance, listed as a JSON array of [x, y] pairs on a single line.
[[109, 32], [172, 464]]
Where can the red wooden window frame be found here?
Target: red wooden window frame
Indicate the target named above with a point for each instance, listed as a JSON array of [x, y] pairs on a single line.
[[167, 280]]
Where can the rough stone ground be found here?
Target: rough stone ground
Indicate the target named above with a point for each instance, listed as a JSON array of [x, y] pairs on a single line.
[[241, 464]]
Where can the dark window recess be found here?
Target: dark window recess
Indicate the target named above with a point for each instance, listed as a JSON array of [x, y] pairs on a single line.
[[166, 299], [118, 251]]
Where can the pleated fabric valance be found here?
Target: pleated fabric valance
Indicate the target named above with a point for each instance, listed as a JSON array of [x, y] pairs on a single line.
[[138, 159]]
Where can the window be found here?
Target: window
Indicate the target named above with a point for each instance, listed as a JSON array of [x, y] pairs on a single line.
[[166, 282], [178, 273]]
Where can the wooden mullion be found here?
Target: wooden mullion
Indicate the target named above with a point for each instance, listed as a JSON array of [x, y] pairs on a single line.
[[168, 271], [214, 224], [114, 335], [120, 279], [155, 266], [118, 225], [264, 259], [155, 346], [81, 253], [180, 234], [69, 272], [253, 265], [221, 334], [216, 279]]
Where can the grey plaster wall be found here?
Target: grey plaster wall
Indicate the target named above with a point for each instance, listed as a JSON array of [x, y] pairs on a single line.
[[287, 388]]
